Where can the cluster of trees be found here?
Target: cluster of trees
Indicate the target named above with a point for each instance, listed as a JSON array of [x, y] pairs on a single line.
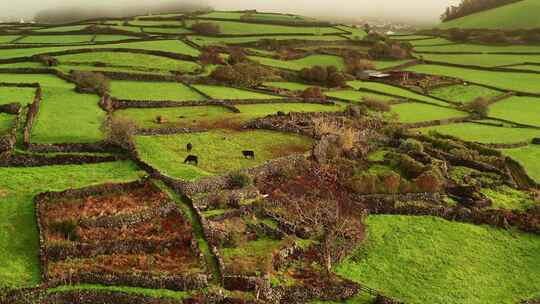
[[468, 7], [390, 50], [206, 28], [328, 76], [245, 74], [91, 82]]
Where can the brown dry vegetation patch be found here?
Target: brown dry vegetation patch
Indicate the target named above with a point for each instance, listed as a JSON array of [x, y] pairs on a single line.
[[171, 261], [288, 149], [172, 226], [106, 205]]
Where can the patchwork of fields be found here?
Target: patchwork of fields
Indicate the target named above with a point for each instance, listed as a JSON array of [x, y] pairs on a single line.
[[189, 121]]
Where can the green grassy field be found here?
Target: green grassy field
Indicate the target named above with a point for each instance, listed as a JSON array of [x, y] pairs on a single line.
[[483, 60], [21, 95], [240, 28], [513, 109], [519, 82], [528, 157], [484, 48], [486, 134], [69, 28], [18, 232], [357, 96], [144, 23], [219, 151], [139, 90], [412, 112], [516, 16], [220, 92], [261, 110], [182, 116], [384, 88], [428, 260], [168, 31], [7, 39], [203, 41], [60, 110], [172, 46], [292, 86], [108, 38], [529, 67], [298, 64], [56, 39], [144, 61], [6, 123], [464, 93]]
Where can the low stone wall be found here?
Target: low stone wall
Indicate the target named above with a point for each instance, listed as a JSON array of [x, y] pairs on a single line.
[[98, 147], [439, 122], [8, 141], [507, 146], [23, 160], [118, 104], [172, 282], [168, 131], [33, 110]]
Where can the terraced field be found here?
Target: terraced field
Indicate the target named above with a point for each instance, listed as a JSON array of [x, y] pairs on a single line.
[[191, 178]]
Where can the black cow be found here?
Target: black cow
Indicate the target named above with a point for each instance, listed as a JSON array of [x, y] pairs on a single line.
[[192, 159], [536, 141], [248, 154], [189, 147]]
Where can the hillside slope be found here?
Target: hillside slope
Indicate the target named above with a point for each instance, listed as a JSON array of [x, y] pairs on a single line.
[[519, 15]]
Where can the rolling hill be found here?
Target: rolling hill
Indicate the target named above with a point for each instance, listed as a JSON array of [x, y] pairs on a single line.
[[513, 16]]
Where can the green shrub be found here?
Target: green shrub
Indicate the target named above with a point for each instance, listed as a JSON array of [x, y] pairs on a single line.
[[68, 229], [240, 180], [411, 145], [90, 81]]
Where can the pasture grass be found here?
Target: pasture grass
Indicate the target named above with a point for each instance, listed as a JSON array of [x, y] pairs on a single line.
[[412, 112], [144, 61], [63, 109], [6, 123], [23, 96], [241, 28], [483, 60], [519, 82], [68, 28], [481, 48], [306, 62], [153, 91], [109, 38], [485, 133], [431, 260], [525, 110], [219, 151], [221, 92], [517, 15], [291, 86], [204, 41], [357, 96], [528, 157], [56, 39], [394, 90], [19, 265], [464, 93], [8, 38]]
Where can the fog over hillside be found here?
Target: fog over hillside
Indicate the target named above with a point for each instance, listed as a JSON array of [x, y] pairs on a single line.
[[423, 11]]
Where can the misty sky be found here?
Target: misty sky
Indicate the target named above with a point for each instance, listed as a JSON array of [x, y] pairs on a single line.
[[419, 10]]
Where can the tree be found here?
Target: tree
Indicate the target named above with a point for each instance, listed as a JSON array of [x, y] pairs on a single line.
[[479, 106], [247, 74], [206, 28], [91, 82]]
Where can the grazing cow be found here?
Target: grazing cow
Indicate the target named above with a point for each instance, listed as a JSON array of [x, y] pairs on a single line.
[[280, 113], [189, 147], [248, 154], [192, 159]]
